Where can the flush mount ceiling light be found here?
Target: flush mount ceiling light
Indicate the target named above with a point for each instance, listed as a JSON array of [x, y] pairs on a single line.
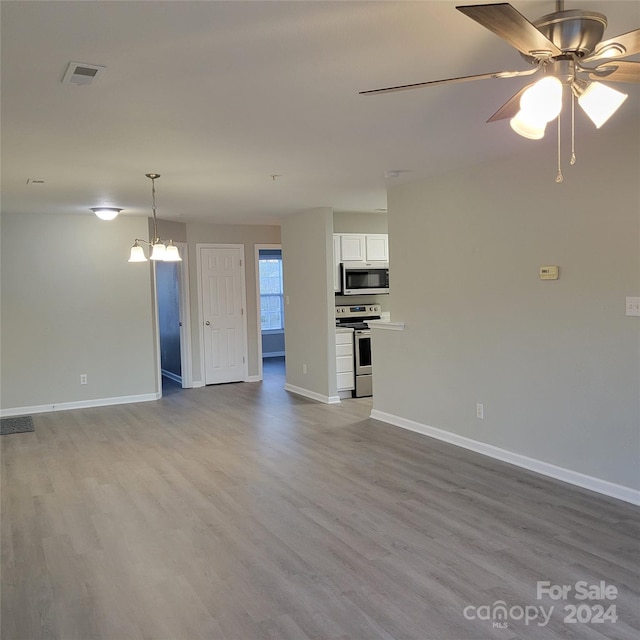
[[563, 46], [159, 250], [106, 213]]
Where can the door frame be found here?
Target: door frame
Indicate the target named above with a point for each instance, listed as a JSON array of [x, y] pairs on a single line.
[[185, 317], [257, 248], [243, 286]]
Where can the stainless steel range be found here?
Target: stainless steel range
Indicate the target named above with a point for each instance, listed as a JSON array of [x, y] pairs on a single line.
[[355, 317]]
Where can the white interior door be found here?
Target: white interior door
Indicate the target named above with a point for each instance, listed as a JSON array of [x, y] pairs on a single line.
[[223, 318]]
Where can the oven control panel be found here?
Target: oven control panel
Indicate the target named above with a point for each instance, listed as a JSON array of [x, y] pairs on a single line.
[[358, 311]]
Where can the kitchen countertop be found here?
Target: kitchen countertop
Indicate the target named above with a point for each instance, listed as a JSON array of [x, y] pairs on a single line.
[[344, 330]]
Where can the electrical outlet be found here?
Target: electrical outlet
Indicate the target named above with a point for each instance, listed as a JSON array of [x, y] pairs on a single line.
[[83, 378], [304, 368], [479, 411]]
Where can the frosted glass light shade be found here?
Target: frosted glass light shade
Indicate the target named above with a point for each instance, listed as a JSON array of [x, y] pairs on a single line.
[[543, 100], [158, 251], [172, 254], [528, 126], [600, 102], [137, 254], [106, 213]]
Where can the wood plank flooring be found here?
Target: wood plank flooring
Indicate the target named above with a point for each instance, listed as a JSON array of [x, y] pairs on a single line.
[[242, 512]]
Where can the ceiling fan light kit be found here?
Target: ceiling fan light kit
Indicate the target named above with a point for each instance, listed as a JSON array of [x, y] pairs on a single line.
[[159, 250], [562, 45], [599, 101], [528, 126], [544, 98]]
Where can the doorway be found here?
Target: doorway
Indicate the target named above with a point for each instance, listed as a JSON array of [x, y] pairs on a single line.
[[174, 343], [270, 305]]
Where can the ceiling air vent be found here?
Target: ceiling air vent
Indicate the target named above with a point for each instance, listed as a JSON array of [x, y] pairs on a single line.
[[82, 73]]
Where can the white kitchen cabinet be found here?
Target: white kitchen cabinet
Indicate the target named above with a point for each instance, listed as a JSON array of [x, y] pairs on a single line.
[[377, 247], [352, 247], [344, 361], [357, 247]]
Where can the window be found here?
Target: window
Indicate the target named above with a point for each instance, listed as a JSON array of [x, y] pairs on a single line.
[[271, 290]]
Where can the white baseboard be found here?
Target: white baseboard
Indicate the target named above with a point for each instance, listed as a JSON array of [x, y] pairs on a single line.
[[253, 379], [80, 404], [172, 376], [197, 384], [311, 394], [605, 487]]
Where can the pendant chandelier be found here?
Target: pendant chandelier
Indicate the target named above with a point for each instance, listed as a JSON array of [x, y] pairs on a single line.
[[159, 250]]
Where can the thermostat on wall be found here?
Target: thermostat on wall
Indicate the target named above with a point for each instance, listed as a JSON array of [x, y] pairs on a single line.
[[549, 272]]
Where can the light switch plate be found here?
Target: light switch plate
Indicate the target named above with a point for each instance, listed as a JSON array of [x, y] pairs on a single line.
[[633, 306]]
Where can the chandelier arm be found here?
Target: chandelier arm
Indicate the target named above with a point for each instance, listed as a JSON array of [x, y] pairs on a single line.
[[159, 252]]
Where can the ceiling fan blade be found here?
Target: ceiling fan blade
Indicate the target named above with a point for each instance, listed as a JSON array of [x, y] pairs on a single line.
[[510, 108], [482, 76], [512, 26], [622, 46], [617, 71]]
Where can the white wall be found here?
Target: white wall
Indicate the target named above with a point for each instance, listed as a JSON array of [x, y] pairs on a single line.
[[307, 250], [72, 304], [359, 222], [556, 364]]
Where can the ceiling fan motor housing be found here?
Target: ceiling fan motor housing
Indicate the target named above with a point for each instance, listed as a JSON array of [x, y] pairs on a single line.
[[574, 32]]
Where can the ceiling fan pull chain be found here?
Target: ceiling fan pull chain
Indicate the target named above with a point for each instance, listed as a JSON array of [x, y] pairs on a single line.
[[573, 130], [559, 177]]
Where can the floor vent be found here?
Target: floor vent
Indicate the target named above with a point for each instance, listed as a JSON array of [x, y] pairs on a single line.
[[19, 424]]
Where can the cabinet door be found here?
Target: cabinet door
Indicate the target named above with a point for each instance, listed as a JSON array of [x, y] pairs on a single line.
[[346, 381], [336, 263], [377, 246], [352, 247]]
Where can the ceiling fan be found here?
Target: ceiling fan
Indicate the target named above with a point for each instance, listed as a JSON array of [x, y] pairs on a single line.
[[567, 47]]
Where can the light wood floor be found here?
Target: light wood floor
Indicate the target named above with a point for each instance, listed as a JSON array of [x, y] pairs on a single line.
[[242, 512]]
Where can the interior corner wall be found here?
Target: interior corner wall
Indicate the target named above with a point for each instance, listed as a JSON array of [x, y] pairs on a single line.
[[249, 236], [72, 304], [307, 263], [556, 364]]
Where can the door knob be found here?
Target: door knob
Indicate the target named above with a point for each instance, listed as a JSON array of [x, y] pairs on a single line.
[[207, 323]]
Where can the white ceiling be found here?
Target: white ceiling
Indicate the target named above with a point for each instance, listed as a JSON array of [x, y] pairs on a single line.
[[217, 96]]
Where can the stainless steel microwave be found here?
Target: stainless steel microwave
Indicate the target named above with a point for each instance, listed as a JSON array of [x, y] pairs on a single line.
[[363, 278]]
